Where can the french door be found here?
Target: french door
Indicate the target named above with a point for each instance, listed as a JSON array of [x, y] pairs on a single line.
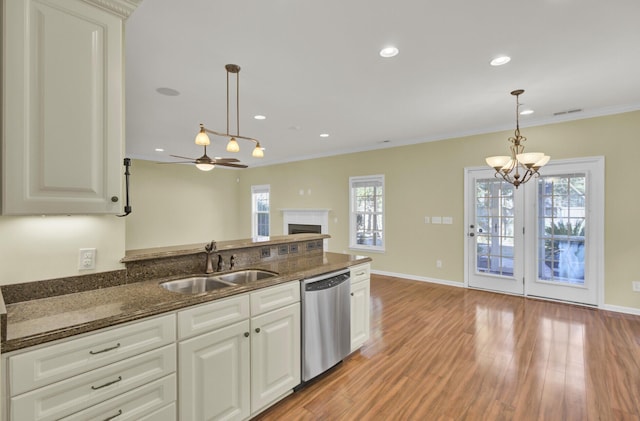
[[543, 239]]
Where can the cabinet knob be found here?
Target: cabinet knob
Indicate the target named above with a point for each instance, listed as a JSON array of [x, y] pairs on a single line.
[[352, 294], [246, 334], [114, 199], [257, 330]]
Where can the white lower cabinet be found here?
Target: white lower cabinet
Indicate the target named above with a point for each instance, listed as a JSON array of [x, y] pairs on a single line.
[[275, 355], [214, 374], [360, 312], [123, 373], [235, 371]]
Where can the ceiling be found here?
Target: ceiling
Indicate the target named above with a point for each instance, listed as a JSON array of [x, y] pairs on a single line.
[[314, 67]]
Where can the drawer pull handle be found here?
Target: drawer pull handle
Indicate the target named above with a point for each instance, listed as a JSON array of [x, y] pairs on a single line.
[[105, 350], [107, 384], [114, 416], [360, 273]]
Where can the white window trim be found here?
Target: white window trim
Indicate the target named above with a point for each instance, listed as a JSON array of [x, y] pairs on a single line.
[[352, 215], [262, 188]]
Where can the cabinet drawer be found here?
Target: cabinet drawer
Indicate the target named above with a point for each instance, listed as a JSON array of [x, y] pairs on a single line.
[[52, 363], [208, 317], [168, 413], [137, 404], [360, 273], [271, 298], [77, 393]]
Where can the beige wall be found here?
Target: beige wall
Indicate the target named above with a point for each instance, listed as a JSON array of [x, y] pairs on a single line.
[[176, 204], [179, 204], [427, 180]]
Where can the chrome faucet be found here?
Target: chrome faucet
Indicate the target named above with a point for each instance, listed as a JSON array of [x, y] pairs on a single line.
[[210, 249]]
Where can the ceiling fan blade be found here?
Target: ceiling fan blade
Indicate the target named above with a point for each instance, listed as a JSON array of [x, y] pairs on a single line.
[[183, 157], [231, 165], [177, 162], [227, 160]]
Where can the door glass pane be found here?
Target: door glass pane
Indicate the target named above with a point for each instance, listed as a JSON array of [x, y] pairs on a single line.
[[494, 224], [562, 228]]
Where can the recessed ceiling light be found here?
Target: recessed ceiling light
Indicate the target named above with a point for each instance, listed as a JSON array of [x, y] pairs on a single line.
[[526, 112], [259, 117], [499, 61], [324, 135], [389, 52], [159, 150], [167, 91]]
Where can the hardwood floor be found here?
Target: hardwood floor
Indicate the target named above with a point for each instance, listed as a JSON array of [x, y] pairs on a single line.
[[446, 353]]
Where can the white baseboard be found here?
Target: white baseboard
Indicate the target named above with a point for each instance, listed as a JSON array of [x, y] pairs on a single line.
[[607, 307], [419, 278], [620, 309]]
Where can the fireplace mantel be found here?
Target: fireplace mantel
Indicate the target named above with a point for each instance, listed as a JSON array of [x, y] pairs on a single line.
[[306, 216]]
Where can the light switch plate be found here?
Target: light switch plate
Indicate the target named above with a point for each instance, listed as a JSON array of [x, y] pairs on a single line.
[[447, 220], [436, 220]]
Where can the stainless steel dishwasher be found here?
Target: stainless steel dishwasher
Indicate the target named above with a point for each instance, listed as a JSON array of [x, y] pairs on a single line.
[[326, 322]]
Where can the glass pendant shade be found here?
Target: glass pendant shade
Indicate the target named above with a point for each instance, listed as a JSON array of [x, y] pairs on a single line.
[[202, 139], [542, 162], [498, 161], [205, 167], [257, 152], [529, 158], [233, 146]]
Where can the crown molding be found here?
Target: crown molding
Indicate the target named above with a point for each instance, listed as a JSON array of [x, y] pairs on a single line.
[[120, 8]]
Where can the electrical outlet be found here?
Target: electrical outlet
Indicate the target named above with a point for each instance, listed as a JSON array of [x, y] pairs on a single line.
[[439, 264], [635, 285], [87, 259], [426, 219]]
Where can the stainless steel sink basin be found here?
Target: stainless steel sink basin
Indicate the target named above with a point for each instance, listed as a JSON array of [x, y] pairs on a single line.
[[199, 284], [194, 285], [245, 276]]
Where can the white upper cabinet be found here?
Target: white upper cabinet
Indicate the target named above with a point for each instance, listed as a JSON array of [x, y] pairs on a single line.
[[63, 106]]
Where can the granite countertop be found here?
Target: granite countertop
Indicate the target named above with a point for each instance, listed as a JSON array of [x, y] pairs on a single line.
[[39, 321]]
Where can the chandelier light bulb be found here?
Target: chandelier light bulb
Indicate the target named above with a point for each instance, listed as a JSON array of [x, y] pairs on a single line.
[[201, 138]]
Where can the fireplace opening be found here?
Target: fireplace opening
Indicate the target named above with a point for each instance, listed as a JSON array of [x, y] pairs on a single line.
[[305, 229]]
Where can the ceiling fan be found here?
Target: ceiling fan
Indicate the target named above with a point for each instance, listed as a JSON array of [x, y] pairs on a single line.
[[206, 163]]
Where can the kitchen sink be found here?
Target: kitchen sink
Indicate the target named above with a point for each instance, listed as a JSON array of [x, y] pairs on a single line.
[[199, 284], [194, 285], [245, 276]]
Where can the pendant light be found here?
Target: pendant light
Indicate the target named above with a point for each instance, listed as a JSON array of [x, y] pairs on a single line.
[[232, 146], [509, 167]]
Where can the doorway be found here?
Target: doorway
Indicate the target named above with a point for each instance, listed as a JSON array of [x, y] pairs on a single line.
[[544, 239]]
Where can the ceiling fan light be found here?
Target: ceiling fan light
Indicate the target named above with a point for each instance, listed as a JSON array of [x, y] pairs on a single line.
[[257, 152], [205, 166], [233, 146], [498, 162], [201, 138]]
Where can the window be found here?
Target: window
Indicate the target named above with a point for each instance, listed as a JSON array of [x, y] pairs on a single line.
[[260, 211], [367, 213]]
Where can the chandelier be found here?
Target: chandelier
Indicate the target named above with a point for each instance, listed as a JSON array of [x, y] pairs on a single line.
[[203, 140], [509, 167]]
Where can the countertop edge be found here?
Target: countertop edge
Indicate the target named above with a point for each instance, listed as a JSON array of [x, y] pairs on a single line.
[[19, 343]]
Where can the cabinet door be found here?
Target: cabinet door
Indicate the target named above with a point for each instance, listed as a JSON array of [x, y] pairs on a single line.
[[214, 374], [359, 314], [275, 355], [63, 113]]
